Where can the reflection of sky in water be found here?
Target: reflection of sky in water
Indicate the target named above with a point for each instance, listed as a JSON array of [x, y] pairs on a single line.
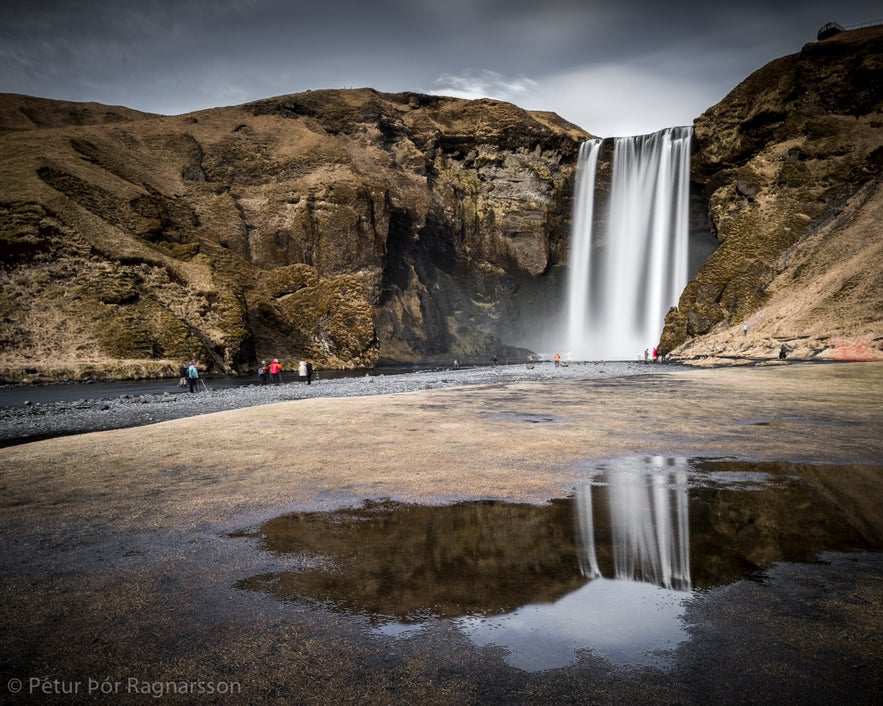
[[627, 622], [624, 621], [627, 618]]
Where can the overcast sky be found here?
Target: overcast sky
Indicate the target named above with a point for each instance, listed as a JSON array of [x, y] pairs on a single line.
[[613, 67]]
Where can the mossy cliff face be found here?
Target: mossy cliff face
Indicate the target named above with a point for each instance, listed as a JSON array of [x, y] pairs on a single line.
[[789, 164], [347, 227]]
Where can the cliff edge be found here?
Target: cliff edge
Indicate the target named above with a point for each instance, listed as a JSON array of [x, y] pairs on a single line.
[[789, 165]]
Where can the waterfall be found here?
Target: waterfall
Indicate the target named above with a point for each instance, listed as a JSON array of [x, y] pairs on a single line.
[[580, 247], [627, 269]]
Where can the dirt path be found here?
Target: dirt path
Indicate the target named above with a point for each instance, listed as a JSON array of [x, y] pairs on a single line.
[[128, 537]]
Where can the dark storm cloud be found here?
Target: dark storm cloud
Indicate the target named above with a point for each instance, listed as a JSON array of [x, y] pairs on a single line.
[[612, 67]]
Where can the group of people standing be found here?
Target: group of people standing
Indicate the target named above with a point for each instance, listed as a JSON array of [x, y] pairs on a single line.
[[189, 376], [272, 372], [658, 355], [268, 373]]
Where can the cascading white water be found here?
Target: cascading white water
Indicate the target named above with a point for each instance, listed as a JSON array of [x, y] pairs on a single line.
[[580, 247], [625, 273]]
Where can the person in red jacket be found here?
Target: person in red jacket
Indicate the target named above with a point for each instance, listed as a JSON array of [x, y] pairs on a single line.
[[276, 371]]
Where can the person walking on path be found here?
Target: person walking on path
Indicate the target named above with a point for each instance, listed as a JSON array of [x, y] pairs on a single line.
[[264, 372], [276, 371], [309, 373], [192, 376], [557, 359]]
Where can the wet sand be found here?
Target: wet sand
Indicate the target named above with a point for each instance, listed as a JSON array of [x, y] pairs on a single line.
[[122, 549]]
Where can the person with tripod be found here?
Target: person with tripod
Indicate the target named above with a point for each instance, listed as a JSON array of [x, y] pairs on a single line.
[[192, 376]]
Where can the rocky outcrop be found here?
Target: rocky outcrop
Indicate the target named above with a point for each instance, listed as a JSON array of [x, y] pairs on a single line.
[[789, 164], [18, 112], [348, 227]]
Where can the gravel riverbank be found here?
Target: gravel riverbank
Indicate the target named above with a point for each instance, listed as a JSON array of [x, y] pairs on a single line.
[[31, 422]]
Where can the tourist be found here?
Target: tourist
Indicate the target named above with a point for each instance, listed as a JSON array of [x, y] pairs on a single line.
[[783, 352], [646, 355], [264, 372], [557, 359], [309, 373], [302, 372], [192, 376], [276, 371], [655, 355]]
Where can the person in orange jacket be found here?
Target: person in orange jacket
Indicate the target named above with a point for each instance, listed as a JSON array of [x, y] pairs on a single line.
[[276, 371]]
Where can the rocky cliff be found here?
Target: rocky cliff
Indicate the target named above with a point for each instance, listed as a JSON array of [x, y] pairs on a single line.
[[789, 165], [348, 227]]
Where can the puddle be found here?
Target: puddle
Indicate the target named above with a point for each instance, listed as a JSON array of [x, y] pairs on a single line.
[[607, 570]]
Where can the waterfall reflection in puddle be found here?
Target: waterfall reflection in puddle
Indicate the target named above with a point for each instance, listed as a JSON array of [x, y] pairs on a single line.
[[649, 522], [633, 615], [608, 571]]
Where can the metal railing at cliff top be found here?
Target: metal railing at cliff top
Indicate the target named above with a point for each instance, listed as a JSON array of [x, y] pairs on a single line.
[[832, 28], [865, 24]]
